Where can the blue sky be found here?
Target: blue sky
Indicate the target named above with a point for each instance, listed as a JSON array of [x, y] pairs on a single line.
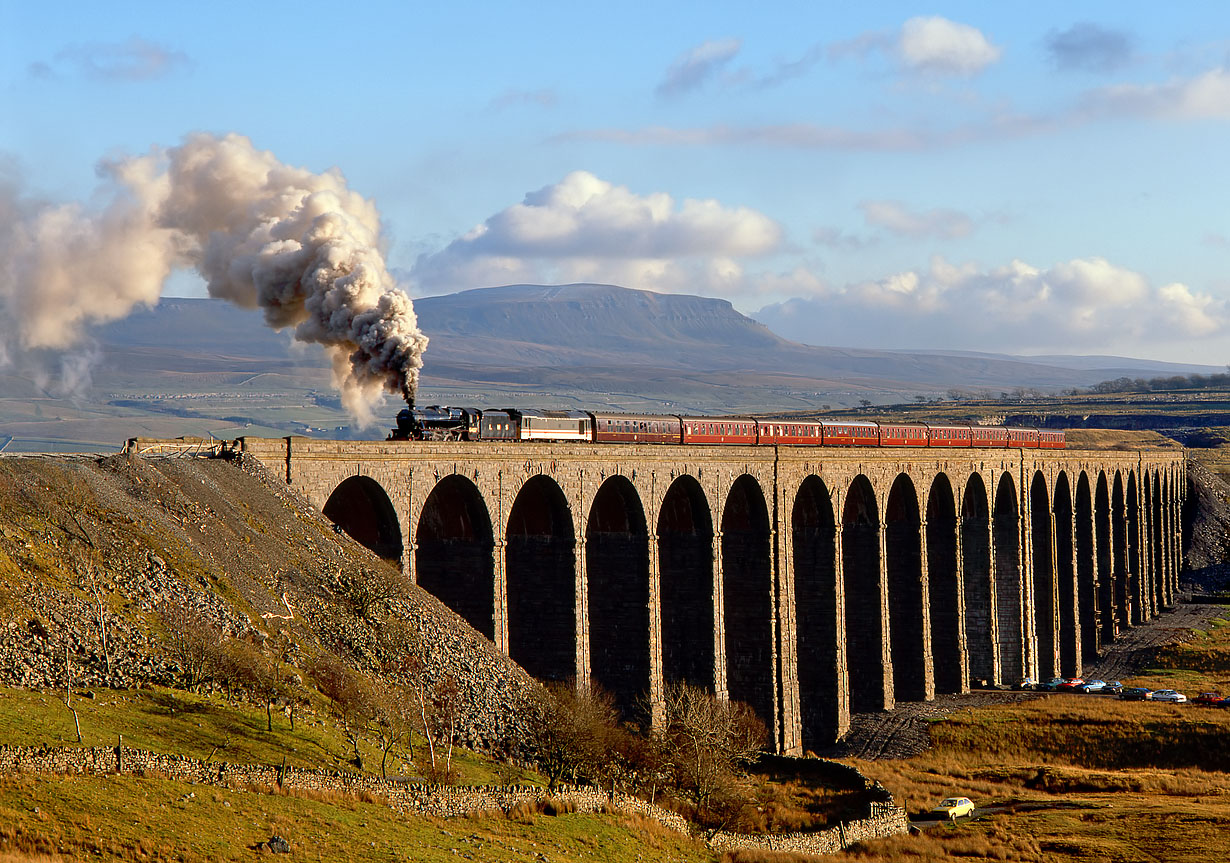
[[1025, 178]]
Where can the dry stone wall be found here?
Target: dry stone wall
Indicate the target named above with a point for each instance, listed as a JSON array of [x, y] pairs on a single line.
[[439, 801]]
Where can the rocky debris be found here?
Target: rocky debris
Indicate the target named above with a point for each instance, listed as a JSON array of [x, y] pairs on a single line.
[[106, 545], [1207, 534]]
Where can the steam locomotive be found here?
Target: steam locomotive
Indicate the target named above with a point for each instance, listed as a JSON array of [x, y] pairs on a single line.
[[440, 423]]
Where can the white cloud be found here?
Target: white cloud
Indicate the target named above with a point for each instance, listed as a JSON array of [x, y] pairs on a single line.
[[1207, 95], [697, 65], [938, 45], [587, 229], [893, 216], [1082, 306]]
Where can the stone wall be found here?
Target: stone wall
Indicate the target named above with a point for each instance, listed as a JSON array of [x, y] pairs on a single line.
[[440, 801]]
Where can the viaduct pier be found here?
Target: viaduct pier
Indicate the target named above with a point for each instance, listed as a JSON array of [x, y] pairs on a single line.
[[811, 583]]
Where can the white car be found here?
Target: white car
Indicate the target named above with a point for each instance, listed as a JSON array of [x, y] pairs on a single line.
[[1169, 695], [954, 807]]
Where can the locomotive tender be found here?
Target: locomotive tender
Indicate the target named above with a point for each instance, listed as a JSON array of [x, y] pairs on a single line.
[[512, 424]]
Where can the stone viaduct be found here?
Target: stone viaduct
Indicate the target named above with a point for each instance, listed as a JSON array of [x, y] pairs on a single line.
[[810, 583]]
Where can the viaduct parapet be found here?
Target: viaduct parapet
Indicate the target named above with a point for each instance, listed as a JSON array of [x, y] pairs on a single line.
[[811, 584]]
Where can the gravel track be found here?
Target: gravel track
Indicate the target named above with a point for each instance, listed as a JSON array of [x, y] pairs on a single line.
[[902, 731]]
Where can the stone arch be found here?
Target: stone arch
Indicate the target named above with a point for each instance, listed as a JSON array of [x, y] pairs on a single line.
[[361, 507], [617, 573], [1009, 617], [1135, 594], [685, 565], [540, 562], [865, 650], [453, 558], [747, 597], [1118, 526], [1044, 588], [976, 581], [944, 586], [1105, 576], [1065, 580], [1086, 569], [1159, 568], [906, 593], [818, 615]]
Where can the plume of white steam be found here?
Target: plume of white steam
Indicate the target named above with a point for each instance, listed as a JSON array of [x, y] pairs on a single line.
[[302, 247]]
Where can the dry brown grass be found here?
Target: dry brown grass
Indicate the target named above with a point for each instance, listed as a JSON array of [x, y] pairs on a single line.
[[744, 855], [1077, 778], [1117, 439]]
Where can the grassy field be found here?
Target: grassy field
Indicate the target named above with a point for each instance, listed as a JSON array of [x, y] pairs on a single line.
[[1061, 778], [176, 722], [1064, 777], [1079, 778], [124, 818]]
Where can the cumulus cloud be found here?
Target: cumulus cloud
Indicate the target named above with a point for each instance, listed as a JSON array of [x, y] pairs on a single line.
[[945, 47], [698, 65], [587, 229], [895, 217], [1086, 305], [1203, 96], [136, 59], [1088, 47]]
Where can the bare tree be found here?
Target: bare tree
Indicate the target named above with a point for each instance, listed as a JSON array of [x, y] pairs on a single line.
[[194, 641], [570, 729], [706, 745], [348, 696], [391, 717], [100, 611], [68, 690]]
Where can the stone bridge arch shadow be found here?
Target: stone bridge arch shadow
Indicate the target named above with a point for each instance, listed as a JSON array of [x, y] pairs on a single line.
[[685, 563], [617, 566], [747, 595], [453, 552], [361, 507], [540, 562]]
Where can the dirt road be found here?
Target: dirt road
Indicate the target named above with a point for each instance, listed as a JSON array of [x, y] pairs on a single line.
[[902, 732]]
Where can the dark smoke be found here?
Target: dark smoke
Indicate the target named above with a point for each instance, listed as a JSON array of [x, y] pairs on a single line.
[[302, 247]]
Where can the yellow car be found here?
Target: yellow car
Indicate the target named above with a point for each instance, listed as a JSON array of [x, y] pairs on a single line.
[[954, 807]]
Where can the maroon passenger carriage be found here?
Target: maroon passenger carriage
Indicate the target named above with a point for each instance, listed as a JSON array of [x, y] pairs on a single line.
[[850, 433], [637, 428], [903, 434], [719, 430]]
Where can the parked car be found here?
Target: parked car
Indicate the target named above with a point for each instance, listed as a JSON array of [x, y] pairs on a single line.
[[1169, 695], [1112, 687], [953, 808], [1052, 684], [1092, 686], [1070, 684], [1026, 683], [1209, 698], [1136, 693]]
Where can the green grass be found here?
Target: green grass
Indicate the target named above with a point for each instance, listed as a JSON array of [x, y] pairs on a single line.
[[176, 722], [125, 818]]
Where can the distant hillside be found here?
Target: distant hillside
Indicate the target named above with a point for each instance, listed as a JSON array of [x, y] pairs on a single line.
[[197, 366]]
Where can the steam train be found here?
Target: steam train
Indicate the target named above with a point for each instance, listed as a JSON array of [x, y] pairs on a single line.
[[509, 424]]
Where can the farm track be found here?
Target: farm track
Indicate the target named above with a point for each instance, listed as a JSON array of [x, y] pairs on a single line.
[[902, 731]]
